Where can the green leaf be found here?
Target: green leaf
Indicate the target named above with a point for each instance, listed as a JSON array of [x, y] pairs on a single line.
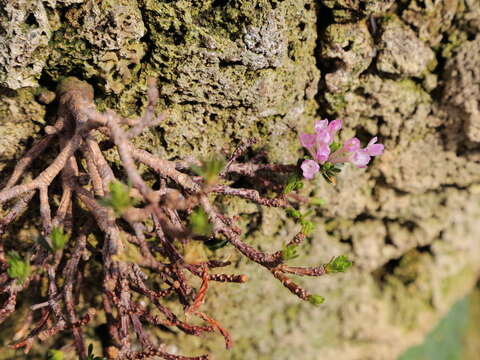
[[307, 226], [59, 238], [210, 169], [293, 183], [55, 355], [329, 178], [308, 213], [316, 299], [18, 268], [215, 244], [293, 213], [90, 351], [199, 224], [338, 264], [317, 202], [119, 198], [91, 356], [289, 252]]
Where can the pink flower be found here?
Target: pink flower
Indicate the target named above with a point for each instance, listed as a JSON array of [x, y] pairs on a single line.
[[352, 144], [351, 152], [374, 149], [323, 151], [321, 124], [307, 140], [334, 126], [360, 158], [324, 137], [318, 145], [310, 168]]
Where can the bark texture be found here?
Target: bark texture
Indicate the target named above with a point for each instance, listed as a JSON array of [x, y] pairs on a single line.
[[407, 71]]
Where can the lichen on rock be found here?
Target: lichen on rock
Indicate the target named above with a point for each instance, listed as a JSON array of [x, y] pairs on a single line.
[[246, 56]]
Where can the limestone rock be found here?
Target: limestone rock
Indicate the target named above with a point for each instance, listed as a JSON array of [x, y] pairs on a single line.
[[344, 10], [350, 47], [431, 18], [462, 88], [100, 39], [17, 109], [24, 34], [401, 51]]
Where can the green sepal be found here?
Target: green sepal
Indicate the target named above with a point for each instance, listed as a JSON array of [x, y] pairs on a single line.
[[334, 146]]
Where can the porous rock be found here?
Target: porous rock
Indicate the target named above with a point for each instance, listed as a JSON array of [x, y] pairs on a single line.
[[401, 51]]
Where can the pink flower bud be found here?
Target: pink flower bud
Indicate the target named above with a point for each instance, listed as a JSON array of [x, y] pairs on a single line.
[[310, 168]]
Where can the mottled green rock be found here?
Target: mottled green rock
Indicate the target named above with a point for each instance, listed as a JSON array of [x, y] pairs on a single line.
[[20, 119]]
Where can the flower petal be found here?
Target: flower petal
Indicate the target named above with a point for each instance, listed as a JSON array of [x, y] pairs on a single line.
[[321, 124], [360, 158], [352, 144], [322, 154], [309, 168], [324, 137], [307, 140], [375, 149], [334, 126], [372, 141]]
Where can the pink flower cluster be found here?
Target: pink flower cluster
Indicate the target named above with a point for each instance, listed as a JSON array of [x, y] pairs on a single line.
[[319, 147]]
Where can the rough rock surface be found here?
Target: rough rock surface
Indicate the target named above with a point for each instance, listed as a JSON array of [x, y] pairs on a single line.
[[231, 70], [400, 51], [462, 88], [25, 31]]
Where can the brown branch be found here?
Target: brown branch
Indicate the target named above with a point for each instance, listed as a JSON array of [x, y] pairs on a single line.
[[249, 194]]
